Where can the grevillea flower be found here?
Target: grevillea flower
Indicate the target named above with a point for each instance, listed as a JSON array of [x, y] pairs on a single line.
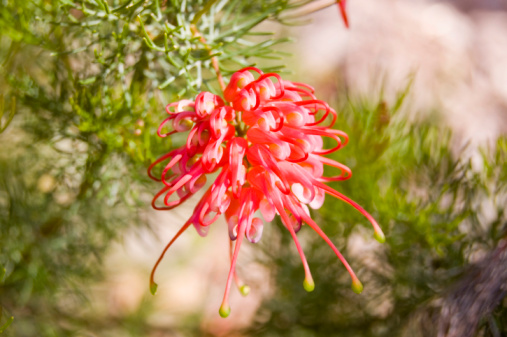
[[264, 139]]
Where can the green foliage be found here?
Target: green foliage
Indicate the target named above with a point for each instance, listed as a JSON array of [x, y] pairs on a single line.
[[432, 205], [83, 88]]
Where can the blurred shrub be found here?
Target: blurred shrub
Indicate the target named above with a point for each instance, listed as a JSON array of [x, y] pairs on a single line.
[[440, 211]]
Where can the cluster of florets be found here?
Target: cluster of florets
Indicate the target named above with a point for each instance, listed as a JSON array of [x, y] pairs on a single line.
[[266, 143]]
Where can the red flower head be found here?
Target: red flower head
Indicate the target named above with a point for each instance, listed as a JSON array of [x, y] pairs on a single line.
[[266, 143]]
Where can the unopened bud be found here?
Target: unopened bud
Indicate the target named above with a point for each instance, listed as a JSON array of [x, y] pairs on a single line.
[[309, 285], [379, 236], [153, 288], [244, 290], [357, 286], [225, 310]]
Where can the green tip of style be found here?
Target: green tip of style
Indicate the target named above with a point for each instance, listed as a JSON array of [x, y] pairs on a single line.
[[309, 285], [244, 290], [224, 311], [153, 288], [357, 286], [379, 236]]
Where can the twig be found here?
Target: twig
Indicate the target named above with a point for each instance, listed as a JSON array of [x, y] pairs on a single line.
[[214, 60]]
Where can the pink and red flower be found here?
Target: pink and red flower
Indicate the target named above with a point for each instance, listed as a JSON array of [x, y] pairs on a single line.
[[265, 141]]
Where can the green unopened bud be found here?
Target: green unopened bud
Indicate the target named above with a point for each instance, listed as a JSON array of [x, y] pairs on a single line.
[[153, 288], [225, 310], [357, 286], [244, 290], [308, 284], [379, 236]]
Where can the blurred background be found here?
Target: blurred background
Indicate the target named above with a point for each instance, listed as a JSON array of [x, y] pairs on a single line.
[[420, 88], [453, 51]]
